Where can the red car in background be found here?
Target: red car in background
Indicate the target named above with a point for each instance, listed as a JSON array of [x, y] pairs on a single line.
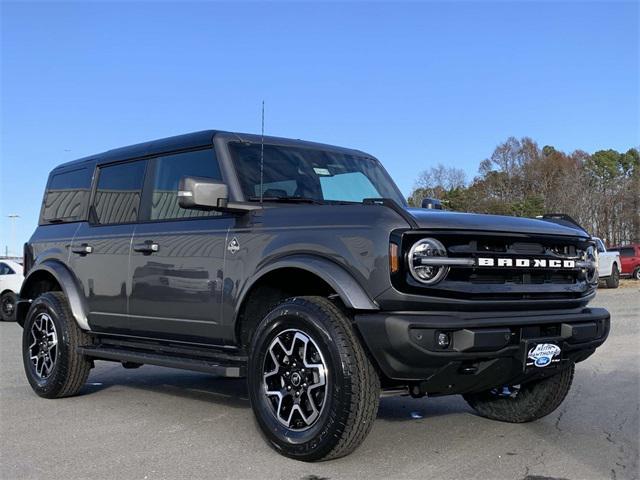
[[630, 259]]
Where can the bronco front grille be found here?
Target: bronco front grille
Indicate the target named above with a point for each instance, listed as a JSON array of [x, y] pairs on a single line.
[[505, 282]]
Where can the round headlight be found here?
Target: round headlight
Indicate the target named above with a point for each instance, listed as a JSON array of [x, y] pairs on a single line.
[[423, 261], [591, 273]]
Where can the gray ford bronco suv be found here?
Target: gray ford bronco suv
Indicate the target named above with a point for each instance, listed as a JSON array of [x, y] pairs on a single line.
[[300, 267]]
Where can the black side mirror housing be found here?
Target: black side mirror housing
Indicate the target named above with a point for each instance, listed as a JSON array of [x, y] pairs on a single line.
[[431, 203]]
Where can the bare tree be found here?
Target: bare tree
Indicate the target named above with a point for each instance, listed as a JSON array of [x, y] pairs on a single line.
[[443, 177], [436, 182]]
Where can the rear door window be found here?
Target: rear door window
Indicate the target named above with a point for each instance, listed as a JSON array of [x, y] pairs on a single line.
[[118, 193], [67, 196]]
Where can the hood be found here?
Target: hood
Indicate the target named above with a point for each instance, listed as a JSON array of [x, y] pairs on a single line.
[[438, 219]]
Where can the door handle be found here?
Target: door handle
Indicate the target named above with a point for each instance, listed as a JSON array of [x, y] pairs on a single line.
[[84, 249], [148, 247]]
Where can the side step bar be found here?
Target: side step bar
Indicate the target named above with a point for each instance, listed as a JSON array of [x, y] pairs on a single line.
[[208, 365]]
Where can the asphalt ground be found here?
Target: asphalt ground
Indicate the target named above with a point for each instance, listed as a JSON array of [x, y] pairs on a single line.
[[158, 423]]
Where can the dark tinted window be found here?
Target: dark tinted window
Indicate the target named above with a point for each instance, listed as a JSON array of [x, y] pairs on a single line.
[[5, 269], [117, 198], [67, 196], [169, 171], [323, 175], [627, 252]]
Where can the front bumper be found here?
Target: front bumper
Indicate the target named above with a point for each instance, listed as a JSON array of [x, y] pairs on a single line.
[[486, 349]]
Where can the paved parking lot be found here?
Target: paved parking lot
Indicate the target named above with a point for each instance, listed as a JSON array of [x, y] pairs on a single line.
[[155, 423]]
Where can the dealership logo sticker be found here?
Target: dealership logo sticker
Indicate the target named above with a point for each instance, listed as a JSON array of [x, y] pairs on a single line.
[[543, 355]]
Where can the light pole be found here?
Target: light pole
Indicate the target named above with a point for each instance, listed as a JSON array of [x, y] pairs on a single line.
[[13, 217]]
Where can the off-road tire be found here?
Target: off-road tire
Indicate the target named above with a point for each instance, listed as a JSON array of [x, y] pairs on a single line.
[[70, 370], [614, 279], [353, 385], [8, 297], [534, 400]]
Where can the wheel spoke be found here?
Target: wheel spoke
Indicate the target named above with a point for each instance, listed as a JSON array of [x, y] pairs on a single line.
[[315, 411], [39, 366], [276, 368], [47, 364]]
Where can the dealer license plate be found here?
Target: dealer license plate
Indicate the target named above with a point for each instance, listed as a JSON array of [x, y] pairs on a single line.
[[541, 355]]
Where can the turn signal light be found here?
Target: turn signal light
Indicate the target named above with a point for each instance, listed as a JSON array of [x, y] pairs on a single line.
[[394, 259]]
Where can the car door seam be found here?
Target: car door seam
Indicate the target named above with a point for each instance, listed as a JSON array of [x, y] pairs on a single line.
[[129, 277]]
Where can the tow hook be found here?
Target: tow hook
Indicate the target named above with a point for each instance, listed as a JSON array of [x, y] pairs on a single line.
[[416, 392]]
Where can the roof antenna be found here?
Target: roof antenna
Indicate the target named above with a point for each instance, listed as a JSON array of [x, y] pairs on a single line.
[[262, 157]]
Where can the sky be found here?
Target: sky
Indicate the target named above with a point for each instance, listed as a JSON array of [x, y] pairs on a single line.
[[415, 84]]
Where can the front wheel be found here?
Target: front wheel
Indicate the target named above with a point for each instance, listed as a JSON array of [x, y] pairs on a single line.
[[614, 279], [313, 390], [526, 402], [636, 273]]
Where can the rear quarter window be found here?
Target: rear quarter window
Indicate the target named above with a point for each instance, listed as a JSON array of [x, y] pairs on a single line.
[[67, 196]]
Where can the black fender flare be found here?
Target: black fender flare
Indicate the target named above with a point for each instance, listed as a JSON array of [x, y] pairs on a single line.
[[340, 280], [69, 285]]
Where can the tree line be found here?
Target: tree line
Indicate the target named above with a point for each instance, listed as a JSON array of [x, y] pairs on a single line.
[[601, 191]]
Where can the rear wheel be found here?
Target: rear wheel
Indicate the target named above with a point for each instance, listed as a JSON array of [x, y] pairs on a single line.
[[636, 273], [49, 341], [8, 306], [614, 279], [523, 403], [313, 390]]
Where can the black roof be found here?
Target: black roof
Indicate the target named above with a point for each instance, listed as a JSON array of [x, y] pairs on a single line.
[[192, 140]]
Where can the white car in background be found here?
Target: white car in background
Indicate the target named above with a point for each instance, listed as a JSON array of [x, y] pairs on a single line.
[[608, 265], [10, 282]]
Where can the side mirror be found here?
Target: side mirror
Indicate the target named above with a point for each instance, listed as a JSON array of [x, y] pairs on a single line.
[[431, 203], [202, 193]]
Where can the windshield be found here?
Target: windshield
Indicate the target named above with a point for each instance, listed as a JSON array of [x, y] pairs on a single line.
[[320, 175]]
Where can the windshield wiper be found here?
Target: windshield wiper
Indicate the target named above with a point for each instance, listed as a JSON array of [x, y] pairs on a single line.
[[287, 200]]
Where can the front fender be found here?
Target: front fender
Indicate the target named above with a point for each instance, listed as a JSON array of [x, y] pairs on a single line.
[[68, 283], [348, 289]]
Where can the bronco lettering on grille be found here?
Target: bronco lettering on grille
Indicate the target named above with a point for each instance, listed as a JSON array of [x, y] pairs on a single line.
[[525, 263]]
